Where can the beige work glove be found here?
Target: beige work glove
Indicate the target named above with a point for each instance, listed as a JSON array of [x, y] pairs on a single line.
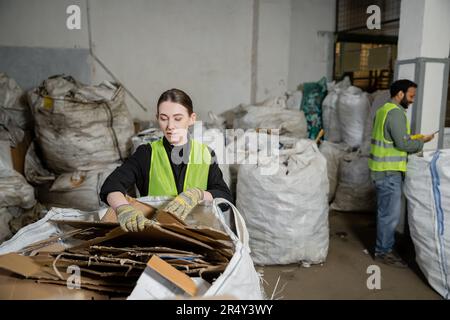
[[131, 219], [183, 204]]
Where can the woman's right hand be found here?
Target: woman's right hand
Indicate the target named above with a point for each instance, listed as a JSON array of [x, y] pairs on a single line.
[[132, 219]]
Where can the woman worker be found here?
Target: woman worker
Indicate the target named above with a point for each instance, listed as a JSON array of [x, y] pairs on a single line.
[[175, 165]]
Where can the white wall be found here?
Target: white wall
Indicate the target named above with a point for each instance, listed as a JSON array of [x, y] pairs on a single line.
[[309, 51], [424, 30], [40, 23], [201, 46], [273, 48]]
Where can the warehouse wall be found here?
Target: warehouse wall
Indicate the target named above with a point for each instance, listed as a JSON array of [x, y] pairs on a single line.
[[209, 48], [35, 43], [273, 44], [311, 50], [202, 47]]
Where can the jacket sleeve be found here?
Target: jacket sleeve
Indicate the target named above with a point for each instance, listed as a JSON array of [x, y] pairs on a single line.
[[216, 185], [133, 171], [396, 127]]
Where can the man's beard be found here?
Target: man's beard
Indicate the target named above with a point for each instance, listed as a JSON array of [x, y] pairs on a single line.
[[404, 103]]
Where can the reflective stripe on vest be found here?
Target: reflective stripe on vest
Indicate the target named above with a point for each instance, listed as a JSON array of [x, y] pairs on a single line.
[[161, 179], [383, 154]]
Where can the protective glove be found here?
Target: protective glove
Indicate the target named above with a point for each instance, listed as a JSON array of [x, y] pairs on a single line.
[[183, 204], [131, 219]]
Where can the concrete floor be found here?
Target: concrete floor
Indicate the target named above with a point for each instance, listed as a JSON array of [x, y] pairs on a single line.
[[343, 275]]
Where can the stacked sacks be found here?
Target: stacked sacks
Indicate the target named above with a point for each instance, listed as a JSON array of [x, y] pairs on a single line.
[[333, 153], [355, 191], [353, 110], [15, 115], [231, 118], [330, 118], [13, 102], [284, 204], [80, 127], [82, 134], [294, 99], [77, 189], [446, 138], [427, 190], [15, 193], [146, 136], [272, 114], [215, 139]]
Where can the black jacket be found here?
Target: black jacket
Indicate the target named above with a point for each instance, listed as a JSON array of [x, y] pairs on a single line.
[[135, 171]]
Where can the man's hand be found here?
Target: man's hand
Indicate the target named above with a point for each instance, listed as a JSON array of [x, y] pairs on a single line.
[[183, 204], [428, 138], [131, 219]]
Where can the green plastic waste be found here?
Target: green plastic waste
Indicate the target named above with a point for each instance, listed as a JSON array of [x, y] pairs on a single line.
[[313, 95]]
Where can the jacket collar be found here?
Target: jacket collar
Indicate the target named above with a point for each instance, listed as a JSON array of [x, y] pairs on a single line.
[[182, 151]]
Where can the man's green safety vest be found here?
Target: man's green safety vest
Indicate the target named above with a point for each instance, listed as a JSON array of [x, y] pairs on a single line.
[[383, 154], [161, 179]]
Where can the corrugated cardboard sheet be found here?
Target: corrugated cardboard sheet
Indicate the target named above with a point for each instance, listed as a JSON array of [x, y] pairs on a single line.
[[110, 261]]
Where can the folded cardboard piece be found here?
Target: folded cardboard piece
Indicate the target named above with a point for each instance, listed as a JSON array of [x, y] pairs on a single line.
[[160, 280], [181, 259], [14, 288], [148, 211]]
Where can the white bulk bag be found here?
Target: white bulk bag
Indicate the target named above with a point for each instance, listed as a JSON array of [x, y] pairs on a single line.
[[330, 118], [272, 114], [14, 189], [78, 190], [331, 124], [355, 191], [146, 136], [239, 279], [287, 211], [13, 103], [80, 127], [294, 100], [333, 153], [290, 122], [446, 138], [215, 139], [353, 110], [427, 190], [5, 218]]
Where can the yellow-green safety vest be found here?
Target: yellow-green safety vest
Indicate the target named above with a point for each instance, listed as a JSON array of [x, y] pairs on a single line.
[[161, 179], [383, 154]]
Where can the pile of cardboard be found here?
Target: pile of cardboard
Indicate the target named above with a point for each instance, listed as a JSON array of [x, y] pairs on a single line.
[[111, 261]]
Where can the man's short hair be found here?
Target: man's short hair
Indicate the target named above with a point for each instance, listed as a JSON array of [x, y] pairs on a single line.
[[401, 85]]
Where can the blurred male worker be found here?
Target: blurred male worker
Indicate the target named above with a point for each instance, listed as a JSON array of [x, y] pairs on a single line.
[[391, 143]]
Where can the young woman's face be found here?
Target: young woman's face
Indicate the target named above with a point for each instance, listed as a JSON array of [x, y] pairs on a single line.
[[174, 120]]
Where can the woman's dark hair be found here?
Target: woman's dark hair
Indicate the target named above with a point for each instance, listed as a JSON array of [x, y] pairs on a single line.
[[177, 96], [401, 85]]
